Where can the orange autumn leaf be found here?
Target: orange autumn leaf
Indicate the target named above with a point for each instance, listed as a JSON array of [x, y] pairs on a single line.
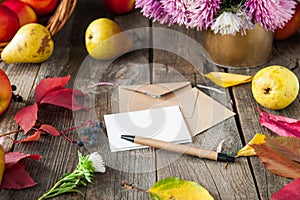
[[227, 79], [275, 157], [34, 137], [288, 146]]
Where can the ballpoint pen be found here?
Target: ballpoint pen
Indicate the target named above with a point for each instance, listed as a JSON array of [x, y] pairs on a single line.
[[179, 148]]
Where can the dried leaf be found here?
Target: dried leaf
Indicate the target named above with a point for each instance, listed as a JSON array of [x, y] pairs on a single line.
[[63, 98], [282, 126], [34, 137], [288, 146], [48, 85], [277, 161], [289, 191], [27, 117], [175, 188], [228, 79], [12, 158], [49, 129], [248, 150], [17, 178]]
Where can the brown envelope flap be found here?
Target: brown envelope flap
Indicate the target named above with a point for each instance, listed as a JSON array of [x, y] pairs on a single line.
[[207, 113], [187, 101], [157, 90], [133, 98]]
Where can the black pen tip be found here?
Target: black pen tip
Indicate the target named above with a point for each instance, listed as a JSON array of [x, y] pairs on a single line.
[[225, 158], [128, 137]]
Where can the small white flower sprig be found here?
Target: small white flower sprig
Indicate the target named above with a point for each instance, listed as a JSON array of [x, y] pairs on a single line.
[[85, 170]]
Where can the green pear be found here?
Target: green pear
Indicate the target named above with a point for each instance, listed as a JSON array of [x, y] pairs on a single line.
[[31, 44], [105, 40]]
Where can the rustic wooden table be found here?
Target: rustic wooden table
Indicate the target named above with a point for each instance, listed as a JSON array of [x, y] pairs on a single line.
[[245, 179]]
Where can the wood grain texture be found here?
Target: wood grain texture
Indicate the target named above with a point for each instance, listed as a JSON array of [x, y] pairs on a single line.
[[236, 181], [244, 179], [285, 53]]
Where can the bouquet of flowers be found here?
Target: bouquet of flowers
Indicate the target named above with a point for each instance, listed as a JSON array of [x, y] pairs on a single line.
[[220, 16]]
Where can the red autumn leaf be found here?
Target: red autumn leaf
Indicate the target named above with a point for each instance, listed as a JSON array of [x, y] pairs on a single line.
[[16, 177], [34, 137], [282, 126], [275, 160], [49, 129], [27, 117], [64, 98], [12, 158], [78, 92], [49, 85], [289, 191]]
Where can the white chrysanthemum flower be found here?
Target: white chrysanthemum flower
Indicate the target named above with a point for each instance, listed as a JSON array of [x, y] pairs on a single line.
[[97, 162], [232, 23]]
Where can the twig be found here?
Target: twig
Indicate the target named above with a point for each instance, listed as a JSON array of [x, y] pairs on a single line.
[[6, 134], [130, 186], [226, 165], [63, 133]]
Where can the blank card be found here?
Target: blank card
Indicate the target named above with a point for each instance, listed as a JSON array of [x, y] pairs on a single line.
[[165, 123]]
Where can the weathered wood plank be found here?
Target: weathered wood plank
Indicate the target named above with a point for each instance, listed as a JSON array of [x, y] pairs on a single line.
[[129, 166], [285, 53], [236, 181]]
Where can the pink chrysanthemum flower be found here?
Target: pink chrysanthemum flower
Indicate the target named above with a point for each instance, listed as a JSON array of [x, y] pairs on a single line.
[[193, 13], [204, 12], [153, 9], [271, 14]]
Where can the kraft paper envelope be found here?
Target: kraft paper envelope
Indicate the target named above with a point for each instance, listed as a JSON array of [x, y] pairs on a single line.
[[166, 124], [199, 110], [142, 97], [207, 113]]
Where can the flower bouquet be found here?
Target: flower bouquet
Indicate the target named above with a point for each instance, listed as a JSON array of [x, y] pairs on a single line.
[[237, 20]]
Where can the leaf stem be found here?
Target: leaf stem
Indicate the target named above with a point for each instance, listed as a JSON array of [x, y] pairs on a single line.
[[63, 133]]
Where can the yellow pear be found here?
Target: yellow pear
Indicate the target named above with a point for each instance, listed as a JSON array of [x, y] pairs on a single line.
[[105, 40], [31, 44], [275, 87], [2, 163]]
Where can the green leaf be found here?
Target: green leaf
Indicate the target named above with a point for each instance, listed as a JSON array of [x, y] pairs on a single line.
[[177, 189]]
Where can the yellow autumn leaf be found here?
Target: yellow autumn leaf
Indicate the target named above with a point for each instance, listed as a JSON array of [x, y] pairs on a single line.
[[227, 79], [175, 188], [247, 150]]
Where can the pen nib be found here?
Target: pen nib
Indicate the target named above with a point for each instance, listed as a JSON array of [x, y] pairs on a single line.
[[128, 137]]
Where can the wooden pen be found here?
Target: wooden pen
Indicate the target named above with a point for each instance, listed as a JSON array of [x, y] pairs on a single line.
[[179, 148]]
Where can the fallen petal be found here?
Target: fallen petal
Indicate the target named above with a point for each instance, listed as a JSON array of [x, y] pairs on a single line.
[[227, 79]]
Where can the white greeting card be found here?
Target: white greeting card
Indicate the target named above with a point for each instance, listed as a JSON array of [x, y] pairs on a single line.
[[166, 124]]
